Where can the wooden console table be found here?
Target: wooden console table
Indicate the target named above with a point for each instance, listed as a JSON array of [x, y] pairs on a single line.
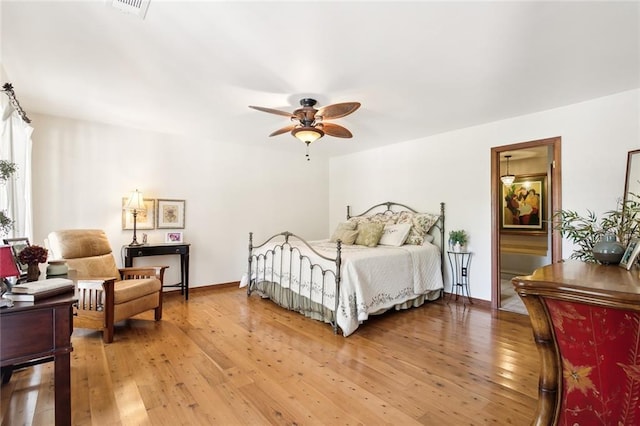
[[31, 333], [586, 324], [163, 249]]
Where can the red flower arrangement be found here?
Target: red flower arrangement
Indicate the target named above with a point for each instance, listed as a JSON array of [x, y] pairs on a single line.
[[33, 255]]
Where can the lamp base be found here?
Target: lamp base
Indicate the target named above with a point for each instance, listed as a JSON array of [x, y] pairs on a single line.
[[134, 243]]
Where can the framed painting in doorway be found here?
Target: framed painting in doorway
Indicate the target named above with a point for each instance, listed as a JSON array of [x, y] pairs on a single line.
[[523, 204]]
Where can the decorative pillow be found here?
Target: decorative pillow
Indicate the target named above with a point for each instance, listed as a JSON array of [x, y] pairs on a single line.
[[349, 237], [359, 219], [395, 235], [384, 218], [428, 239], [341, 230], [421, 225], [369, 234]]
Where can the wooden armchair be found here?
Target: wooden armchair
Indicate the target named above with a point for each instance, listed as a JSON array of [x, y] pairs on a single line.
[[106, 294]]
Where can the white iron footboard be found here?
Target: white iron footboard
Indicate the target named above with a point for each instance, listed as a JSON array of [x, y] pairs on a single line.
[[296, 276]]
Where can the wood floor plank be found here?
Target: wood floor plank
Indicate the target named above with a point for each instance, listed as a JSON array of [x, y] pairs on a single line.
[[223, 358]]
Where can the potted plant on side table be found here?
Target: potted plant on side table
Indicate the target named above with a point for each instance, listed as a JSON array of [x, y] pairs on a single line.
[[458, 240]]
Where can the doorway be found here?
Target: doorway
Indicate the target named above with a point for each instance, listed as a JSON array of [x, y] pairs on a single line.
[[529, 244]]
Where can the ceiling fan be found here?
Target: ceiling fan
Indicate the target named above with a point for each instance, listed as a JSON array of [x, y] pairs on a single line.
[[309, 123]]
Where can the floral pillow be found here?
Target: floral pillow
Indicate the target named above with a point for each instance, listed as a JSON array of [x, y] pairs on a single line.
[[369, 234], [387, 218], [421, 225]]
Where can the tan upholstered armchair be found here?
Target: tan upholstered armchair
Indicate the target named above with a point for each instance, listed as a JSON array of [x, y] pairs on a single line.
[[113, 294]]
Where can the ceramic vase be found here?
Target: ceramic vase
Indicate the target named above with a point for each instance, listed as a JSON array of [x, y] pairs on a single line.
[[608, 251], [57, 268]]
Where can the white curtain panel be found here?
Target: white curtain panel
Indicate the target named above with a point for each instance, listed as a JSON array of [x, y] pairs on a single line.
[[15, 146]]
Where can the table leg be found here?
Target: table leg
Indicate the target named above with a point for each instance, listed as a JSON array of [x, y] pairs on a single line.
[[185, 275], [62, 372]]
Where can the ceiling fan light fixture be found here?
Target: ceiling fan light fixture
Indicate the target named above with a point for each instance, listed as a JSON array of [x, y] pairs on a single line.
[[307, 134]]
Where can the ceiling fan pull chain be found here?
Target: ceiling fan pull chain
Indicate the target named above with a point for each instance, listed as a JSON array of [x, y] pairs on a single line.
[[307, 155]]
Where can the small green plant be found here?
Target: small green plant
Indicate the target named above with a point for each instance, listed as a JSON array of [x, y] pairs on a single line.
[[458, 237], [586, 231]]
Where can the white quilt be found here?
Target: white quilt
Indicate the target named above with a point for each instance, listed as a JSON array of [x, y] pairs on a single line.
[[373, 279]]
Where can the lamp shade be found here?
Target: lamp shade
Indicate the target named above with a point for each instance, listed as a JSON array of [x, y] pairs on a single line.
[[8, 266], [307, 134], [135, 202]]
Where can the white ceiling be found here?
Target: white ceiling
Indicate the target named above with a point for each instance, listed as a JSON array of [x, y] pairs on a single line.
[[418, 68]]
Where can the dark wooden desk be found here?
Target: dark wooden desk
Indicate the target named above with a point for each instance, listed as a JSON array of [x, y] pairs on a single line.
[[159, 250], [41, 331]]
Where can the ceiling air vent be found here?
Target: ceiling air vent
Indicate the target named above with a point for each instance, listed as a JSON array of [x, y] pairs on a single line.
[[132, 7]]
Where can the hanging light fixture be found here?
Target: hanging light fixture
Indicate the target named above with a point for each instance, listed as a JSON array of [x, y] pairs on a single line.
[[307, 134], [507, 179]]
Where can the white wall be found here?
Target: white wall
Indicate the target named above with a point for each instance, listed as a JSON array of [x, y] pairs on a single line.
[[82, 170], [454, 167]]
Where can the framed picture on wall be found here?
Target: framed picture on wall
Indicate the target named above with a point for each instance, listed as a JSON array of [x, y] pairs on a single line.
[[170, 214], [523, 204], [146, 219]]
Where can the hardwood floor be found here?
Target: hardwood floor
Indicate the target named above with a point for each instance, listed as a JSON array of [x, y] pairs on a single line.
[[223, 358]]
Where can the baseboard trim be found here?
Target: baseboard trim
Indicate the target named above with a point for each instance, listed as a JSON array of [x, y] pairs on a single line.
[[207, 287], [481, 303]]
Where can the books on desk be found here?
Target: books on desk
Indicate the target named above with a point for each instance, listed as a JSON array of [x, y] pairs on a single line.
[[36, 290]]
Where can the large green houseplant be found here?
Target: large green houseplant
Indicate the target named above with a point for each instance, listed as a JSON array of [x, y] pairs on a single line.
[[586, 231], [7, 169]]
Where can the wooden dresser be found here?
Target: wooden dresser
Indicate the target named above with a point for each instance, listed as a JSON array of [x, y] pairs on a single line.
[[586, 324]]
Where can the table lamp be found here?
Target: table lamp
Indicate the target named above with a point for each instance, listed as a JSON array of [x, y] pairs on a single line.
[[136, 204], [8, 268]]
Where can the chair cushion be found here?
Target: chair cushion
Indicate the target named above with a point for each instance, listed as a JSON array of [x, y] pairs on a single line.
[[95, 267], [133, 289]]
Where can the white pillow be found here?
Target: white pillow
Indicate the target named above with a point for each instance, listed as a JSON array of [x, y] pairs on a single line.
[[395, 235]]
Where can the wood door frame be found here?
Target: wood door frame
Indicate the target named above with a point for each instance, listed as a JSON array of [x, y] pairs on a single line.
[[555, 189]]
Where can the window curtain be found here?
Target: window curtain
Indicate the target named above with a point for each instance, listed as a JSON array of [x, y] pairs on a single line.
[[15, 146]]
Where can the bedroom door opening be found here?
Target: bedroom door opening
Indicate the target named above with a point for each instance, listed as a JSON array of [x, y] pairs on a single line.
[[522, 237]]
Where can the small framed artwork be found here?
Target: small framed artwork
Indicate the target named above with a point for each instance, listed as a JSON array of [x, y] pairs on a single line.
[[145, 219], [170, 214], [173, 237], [630, 254], [17, 245], [523, 204]]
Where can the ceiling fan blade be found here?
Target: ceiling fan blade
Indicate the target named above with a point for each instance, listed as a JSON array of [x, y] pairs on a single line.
[[337, 110], [335, 130], [286, 129], [273, 111]]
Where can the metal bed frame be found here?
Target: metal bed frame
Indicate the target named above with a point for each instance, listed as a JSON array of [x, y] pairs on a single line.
[[284, 253]]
